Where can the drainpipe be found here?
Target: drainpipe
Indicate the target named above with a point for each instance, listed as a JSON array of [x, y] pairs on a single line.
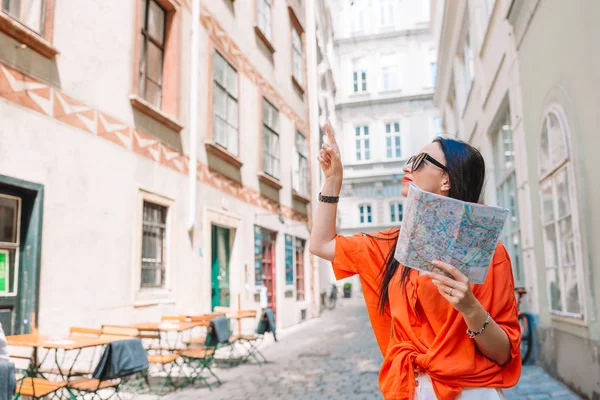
[[193, 131], [313, 109]]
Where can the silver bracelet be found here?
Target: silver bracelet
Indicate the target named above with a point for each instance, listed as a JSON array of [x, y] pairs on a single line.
[[479, 332]]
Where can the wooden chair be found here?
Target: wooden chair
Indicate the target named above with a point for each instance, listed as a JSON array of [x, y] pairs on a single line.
[[106, 376], [177, 318], [164, 360], [204, 320], [27, 384]]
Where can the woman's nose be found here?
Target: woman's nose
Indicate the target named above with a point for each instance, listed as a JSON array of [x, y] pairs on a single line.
[[406, 169]]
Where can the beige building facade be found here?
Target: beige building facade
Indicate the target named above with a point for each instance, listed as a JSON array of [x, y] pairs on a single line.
[[517, 79], [155, 159]]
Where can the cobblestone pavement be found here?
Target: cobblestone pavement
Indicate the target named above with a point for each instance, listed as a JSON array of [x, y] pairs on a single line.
[[333, 357]]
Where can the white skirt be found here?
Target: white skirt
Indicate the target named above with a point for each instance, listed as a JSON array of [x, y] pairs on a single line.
[[424, 391]]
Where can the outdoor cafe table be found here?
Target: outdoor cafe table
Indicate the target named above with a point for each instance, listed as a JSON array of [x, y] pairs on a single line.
[[54, 344], [166, 327]]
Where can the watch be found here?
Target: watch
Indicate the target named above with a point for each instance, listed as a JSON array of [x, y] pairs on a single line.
[[329, 199]]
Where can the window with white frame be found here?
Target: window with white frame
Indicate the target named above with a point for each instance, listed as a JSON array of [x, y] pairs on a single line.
[[559, 206], [365, 215], [386, 13], [396, 212], [363, 151], [28, 12], [154, 240], [359, 76], [300, 181], [392, 140], [433, 66], [357, 11], [390, 77], [297, 57], [225, 104], [437, 126], [270, 139], [506, 192], [264, 17]]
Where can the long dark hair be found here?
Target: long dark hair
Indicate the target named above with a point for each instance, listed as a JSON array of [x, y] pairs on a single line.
[[466, 171]]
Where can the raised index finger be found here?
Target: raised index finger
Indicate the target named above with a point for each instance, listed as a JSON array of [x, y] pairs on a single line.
[[330, 135]]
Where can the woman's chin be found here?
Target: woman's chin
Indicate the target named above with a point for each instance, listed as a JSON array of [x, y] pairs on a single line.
[[404, 190]]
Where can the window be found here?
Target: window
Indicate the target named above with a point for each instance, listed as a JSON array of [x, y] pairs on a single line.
[[10, 235], [154, 229], [392, 140], [468, 64], [270, 139], [433, 73], [389, 72], [363, 152], [225, 106], [152, 53], [29, 12], [558, 206], [506, 192], [386, 13], [437, 126], [300, 181], [359, 76], [297, 57], [264, 17], [357, 10], [365, 214], [300, 285], [395, 212]]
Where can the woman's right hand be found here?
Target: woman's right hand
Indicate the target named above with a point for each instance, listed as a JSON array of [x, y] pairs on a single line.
[[329, 158]]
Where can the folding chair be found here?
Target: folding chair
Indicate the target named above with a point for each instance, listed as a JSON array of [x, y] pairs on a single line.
[[27, 385], [252, 341], [121, 360], [162, 359], [200, 358], [199, 340]]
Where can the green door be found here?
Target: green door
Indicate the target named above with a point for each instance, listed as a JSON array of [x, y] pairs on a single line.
[[20, 243], [220, 267]]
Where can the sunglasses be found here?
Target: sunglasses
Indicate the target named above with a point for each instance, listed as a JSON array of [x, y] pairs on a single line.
[[416, 161]]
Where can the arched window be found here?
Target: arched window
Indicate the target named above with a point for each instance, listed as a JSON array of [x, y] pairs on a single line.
[[558, 214]]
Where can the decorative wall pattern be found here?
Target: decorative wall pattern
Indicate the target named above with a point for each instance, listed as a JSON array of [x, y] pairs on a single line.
[[42, 98]]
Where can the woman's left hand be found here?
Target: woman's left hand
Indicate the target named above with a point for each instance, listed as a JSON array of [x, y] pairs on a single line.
[[457, 290]]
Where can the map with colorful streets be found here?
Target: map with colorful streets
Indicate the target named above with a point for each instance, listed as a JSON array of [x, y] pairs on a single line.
[[436, 227]]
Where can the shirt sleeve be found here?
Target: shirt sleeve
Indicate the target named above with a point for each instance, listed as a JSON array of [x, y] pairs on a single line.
[[349, 251]]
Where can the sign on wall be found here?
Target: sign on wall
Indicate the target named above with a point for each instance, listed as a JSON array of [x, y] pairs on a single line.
[[4, 258]]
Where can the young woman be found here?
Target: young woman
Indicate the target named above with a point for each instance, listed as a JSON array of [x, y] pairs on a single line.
[[440, 337]]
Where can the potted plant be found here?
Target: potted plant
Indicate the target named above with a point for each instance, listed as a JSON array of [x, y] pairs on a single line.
[[347, 290]]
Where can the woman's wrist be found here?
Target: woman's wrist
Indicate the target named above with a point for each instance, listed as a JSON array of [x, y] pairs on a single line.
[[332, 186], [475, 316]]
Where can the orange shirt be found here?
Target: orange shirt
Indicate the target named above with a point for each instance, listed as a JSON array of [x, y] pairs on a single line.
[[429, 335]]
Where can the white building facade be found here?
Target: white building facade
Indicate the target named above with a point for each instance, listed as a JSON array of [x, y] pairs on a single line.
[[153, 161], [385, 114]]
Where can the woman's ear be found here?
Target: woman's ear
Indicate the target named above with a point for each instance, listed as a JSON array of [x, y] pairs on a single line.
[[445, 183]]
